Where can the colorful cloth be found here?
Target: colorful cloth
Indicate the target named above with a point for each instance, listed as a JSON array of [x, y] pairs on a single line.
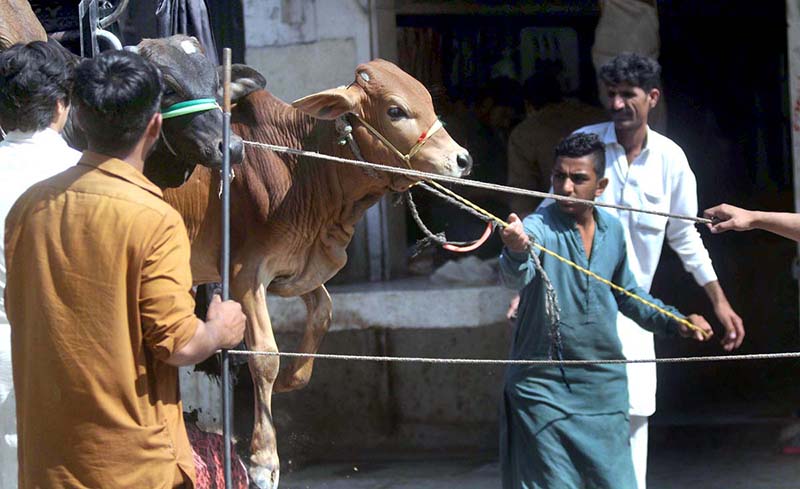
[[208, 453]]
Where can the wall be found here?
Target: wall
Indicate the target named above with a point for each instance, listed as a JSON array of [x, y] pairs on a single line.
[[304, 46]]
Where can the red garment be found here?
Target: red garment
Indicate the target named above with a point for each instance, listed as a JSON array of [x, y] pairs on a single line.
[[209, 466]]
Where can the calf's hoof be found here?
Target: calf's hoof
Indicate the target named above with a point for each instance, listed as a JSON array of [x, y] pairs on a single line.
[[265, 477]]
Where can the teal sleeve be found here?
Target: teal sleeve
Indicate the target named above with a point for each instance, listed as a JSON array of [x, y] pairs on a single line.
[[645, 316], [517, 269]]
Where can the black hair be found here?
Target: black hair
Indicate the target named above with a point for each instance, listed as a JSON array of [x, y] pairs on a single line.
[[580, 144], [633, 69], [116, 94], [541, 89], [33, 78]]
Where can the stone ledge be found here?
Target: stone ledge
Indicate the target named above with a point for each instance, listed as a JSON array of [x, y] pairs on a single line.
[[400, 304]]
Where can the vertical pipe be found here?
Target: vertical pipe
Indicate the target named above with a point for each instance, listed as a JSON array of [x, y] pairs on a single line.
[[225, 265], [377, 216], [87, 25]]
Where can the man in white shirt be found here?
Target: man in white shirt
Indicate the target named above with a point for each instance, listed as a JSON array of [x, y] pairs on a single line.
[[35, 81], [647, 170]]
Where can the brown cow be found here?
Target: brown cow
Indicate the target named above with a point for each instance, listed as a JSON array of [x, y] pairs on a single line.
[[292, 217]]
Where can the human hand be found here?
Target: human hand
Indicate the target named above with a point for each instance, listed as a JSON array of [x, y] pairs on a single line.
[[228, 321], [733, 324], [729, 218], [514, 236], [702, 327]]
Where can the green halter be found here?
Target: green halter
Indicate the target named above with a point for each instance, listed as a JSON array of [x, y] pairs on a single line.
[[189, 107]]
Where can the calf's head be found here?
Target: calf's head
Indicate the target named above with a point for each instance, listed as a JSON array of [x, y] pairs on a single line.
[[392, 116], [195, 137]]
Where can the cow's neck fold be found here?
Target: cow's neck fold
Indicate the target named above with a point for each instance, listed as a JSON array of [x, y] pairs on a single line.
[[359, 189]]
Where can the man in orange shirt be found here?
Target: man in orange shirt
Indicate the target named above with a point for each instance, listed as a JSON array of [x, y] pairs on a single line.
[[98, 297]]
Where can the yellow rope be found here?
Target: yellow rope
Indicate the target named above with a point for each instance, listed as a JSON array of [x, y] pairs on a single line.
[[611, 284], [569, 262]]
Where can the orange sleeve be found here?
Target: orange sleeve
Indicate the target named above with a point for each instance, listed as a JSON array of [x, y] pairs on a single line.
[[165, 302]]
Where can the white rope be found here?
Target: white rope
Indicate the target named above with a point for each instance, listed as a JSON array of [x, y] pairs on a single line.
[[469, 183], [482, 361], [166, 143]]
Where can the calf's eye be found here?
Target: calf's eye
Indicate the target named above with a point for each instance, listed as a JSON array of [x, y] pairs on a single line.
[[396, 113]]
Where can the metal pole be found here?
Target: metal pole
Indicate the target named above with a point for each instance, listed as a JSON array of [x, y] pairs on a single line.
[[87, 14], [227, 402]]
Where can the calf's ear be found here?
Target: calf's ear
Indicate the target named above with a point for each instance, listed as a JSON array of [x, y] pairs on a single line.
[[244, 80], [329, 104]]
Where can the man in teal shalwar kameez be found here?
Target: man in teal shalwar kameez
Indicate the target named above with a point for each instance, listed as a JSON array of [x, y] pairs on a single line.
[[568, 429]]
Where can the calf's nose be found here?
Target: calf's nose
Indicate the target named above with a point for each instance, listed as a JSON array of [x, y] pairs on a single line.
[[237, 149], [464, 162]]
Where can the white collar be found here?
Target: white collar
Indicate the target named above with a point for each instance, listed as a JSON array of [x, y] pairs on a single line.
[[43, 135], [610, 136]]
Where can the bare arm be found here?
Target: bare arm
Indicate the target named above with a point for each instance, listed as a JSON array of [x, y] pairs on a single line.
[[733, 324], [223, 328], [731, 218]]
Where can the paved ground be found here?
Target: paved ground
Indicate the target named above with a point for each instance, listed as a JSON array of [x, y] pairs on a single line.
[[720, 456]]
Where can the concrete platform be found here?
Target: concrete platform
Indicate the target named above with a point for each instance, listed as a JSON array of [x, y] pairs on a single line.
[[704, 457], [401, 474]]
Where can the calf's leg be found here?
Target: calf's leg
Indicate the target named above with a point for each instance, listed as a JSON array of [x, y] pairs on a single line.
[[264, 463], [297, 374]]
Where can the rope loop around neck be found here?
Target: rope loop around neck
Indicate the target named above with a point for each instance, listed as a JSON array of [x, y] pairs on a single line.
[[406, 158]]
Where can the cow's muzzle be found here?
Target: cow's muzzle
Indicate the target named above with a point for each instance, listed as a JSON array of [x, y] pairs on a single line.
[[464, 162], [236, 148], [214, 160]]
